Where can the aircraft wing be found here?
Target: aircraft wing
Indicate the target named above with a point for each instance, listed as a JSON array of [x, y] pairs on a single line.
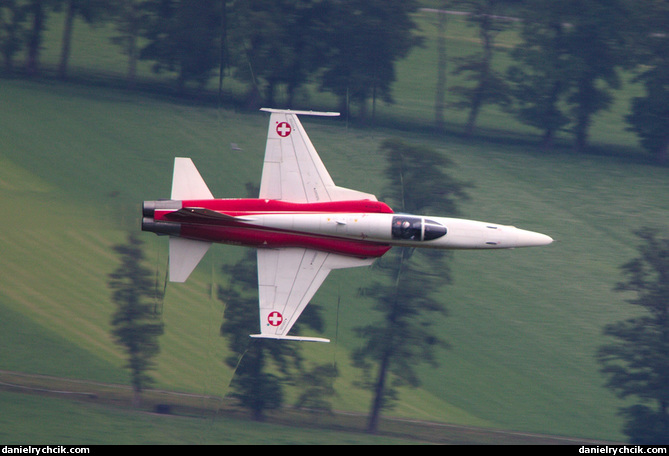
[[287, 280], [292, 170]]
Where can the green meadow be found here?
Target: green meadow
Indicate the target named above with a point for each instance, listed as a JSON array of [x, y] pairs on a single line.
[[524, 325], [61, 421]]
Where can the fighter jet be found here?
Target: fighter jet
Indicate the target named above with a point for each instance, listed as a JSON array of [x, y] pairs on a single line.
[[302, 225]]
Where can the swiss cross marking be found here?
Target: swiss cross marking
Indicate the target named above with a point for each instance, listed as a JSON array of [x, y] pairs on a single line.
[[283, 129], [274, 318]]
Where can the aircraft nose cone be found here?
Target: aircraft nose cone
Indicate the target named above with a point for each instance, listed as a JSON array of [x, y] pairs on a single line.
[[532, 239]]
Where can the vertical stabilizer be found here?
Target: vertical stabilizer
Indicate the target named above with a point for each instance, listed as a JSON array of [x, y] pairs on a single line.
[[187, 183], [185, 254]]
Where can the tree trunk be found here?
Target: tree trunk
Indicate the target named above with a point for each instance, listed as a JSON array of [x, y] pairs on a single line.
[[386, 360], [136, 397], [585, 106], [379, 393], [133, 55], [67, 40], [473, 113], [35, 37], [13, 34], [581, 132], [440, 96], [479, 94], [662, 155], [547, 139]]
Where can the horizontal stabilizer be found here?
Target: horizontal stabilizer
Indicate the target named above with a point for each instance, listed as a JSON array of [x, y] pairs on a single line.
[[298, 338], [185, 254]]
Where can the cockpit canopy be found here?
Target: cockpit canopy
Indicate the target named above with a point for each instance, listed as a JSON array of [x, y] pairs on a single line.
[[410, 228]]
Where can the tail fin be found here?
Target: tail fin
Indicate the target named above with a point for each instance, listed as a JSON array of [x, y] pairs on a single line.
[[187, 183]]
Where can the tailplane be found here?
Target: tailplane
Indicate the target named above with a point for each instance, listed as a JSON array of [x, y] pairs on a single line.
[[185, 254], [187, 183]]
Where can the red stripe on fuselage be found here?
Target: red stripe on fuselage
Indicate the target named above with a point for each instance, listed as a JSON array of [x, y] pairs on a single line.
[[254, 237], [239, 233], [246, 206]]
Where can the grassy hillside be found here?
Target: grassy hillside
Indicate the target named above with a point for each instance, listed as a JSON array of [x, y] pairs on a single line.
[[76, 162], [524, 324]]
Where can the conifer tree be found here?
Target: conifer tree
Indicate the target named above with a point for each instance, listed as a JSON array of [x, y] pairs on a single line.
[[135, 325]]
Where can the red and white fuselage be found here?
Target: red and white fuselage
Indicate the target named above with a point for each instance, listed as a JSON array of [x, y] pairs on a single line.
[[363, 229]]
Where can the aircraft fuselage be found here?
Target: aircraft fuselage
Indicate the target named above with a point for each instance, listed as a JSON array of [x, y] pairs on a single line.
[[361, 228]]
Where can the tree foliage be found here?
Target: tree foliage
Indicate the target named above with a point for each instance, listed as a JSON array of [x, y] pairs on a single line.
[[135, 324], [13, 14], [271, 51], [568, 63], [184, 38], [649, 116], [364, 40], [637, 364], [539, 79]]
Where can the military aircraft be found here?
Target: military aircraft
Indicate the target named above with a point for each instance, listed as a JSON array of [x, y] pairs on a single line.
[[302, 225]]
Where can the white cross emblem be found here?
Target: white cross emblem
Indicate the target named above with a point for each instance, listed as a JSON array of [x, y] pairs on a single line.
[[274, 318], [283, 129]]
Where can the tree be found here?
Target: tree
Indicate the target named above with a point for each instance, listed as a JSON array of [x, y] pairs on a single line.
[[489, 87], [135, 324], [637, 364], [261, 366], [649, 117], [271, 50], [404, 337], [36, 12], [12, 17], [597, 48], [364, 40], [440, 92], [90, 11], [539, 81], [316, 387], [183, 38], [131, 20], [570, 57]]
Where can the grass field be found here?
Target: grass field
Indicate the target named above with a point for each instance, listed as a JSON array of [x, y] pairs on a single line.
[[52, 420], [76, 162]]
